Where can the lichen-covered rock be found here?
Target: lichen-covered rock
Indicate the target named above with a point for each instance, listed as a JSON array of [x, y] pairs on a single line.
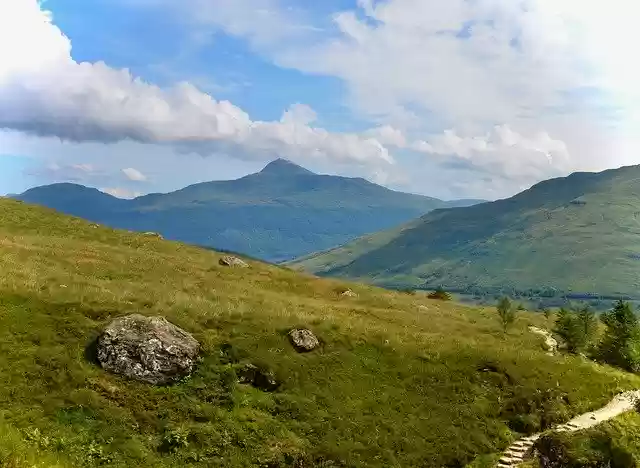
[[230, 261], [303, 340], [148, 349], [261, 378]]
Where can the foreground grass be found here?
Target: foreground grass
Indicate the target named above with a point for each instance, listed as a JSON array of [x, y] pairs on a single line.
[[400, 381]]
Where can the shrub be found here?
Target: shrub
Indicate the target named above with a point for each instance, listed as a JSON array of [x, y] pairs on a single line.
[[621, 343], [577, 327], [174, 440], [506, 312], [440, 294]]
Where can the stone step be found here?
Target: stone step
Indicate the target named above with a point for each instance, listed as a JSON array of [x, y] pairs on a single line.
[[517, 451]]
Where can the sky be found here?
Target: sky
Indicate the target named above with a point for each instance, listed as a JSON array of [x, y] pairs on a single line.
[[456, 99]]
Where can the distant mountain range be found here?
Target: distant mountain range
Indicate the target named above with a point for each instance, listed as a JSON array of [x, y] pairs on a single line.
[[575, 234], [280, 213]]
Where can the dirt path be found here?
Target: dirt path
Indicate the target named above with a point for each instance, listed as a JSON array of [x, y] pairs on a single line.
[[521, 449]]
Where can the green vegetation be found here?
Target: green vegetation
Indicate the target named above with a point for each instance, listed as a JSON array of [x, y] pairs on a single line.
[[578, 327], [278, 214], [621, 343], [540, 241], [440, 295], [613, 444], [506, 313], [399, 381]]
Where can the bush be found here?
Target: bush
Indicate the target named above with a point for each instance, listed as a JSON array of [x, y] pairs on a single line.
[[591, 450], [621, 343], [530, 411], [440, 294], [577, 327], [174, 440]]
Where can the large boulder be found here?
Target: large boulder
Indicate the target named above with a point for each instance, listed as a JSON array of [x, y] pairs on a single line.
[[303, 340], [148, 349], [230, 261]]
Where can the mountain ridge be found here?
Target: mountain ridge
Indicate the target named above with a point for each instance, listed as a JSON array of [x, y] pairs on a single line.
[[282, 212], [575, 234]]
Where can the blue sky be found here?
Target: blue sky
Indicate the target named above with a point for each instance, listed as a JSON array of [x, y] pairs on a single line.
[[467, 99]]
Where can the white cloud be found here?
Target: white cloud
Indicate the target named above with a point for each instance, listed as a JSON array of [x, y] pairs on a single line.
[[562, 72], [47, 93], [120, 192], [134, 174], [503, 152]]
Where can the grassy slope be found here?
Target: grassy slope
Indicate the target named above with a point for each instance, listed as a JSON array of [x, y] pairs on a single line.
[[393, 385], [576, 234]]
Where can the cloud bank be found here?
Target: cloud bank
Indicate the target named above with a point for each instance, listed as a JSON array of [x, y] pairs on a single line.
[[560, 74], [43, 91]]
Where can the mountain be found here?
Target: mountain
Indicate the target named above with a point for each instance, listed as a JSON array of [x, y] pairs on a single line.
[[577, 234], [282, 212], [398, 381]]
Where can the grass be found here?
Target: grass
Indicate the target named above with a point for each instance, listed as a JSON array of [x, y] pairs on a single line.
[[614, 443], [399, 381]]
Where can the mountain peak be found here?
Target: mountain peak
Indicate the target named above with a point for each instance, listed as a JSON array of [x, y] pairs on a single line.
[[284, 167]]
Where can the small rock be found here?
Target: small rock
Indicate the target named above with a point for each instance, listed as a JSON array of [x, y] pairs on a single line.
[[154, 234], [349, 293], [263, 379], [230, 261], [303, 340], [148, 349]]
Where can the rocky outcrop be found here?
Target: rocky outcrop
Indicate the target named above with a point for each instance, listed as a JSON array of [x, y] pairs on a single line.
[[230, 261], [148, 349], [261, 378], [154, 234], [303, 340], [348, 293]]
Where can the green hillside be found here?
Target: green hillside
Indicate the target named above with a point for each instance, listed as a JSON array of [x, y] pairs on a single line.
[[575, 234], [399, 381], [280, 213]]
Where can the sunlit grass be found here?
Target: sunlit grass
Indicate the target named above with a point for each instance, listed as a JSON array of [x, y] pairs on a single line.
[[398, 380]]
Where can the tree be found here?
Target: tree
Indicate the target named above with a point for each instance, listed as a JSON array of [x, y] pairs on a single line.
[[577, 327], [621, 343], [506, 312]]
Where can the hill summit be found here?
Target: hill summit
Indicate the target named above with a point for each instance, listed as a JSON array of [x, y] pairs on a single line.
[[284, 168], [282, 212]]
